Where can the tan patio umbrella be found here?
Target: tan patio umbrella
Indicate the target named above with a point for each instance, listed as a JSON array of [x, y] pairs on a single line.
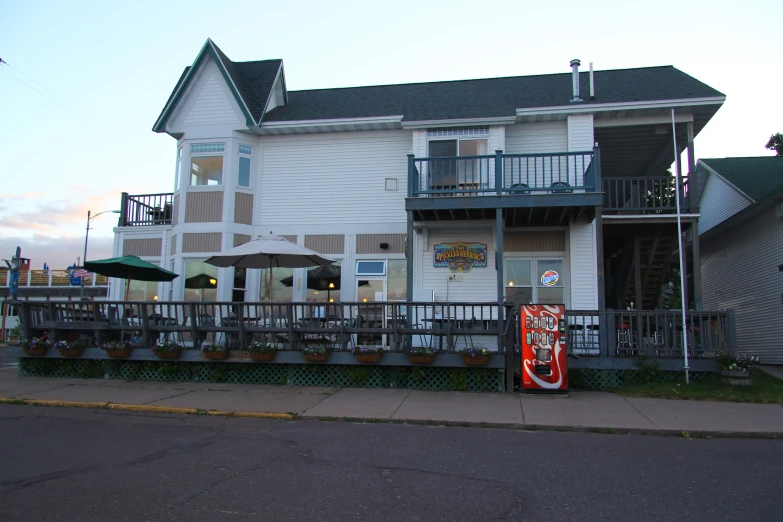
[[269, 252]]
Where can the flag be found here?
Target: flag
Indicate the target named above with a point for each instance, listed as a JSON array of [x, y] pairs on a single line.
[[81, 272]]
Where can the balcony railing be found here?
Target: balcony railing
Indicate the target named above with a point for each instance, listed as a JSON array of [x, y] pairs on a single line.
[[504, 174], [146, 209], [650, 195], [53, 278]]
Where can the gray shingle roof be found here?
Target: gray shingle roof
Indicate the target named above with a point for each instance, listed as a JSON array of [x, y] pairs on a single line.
[[758, 177], [492, 97]]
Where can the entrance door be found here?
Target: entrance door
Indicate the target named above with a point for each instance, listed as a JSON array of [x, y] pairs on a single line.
[[371, 290]]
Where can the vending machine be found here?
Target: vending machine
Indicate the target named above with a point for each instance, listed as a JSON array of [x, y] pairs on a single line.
[[543, 342]]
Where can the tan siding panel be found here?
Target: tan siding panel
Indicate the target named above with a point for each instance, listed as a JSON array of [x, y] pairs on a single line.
[[175, 211], [142, 247], [204, 207], [292, 239], [326, 243], [538, 241], [202, 242], [370, 243], [241, 239], [243, 208], [173, 247]]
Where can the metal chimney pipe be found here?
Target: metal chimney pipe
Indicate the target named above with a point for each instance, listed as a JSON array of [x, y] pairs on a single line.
[[575, 63], [592, 83]]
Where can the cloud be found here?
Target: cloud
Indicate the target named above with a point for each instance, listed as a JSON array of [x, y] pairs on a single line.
[[57, 252]]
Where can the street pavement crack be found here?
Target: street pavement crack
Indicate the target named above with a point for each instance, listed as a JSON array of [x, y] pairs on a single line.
[[400, 404], [170, 397], [640, 412]]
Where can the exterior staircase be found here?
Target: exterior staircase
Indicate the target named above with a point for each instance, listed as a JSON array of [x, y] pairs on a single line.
[[655, 253]]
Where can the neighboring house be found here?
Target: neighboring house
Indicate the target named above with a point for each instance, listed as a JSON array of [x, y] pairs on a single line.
[[540, 185], [741, 240]]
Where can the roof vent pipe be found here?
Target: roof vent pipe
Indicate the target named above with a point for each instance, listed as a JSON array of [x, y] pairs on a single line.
[[592, 83], [575, 63]]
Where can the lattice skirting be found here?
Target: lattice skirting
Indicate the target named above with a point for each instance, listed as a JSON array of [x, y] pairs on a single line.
[[408, 377], [593, 379]]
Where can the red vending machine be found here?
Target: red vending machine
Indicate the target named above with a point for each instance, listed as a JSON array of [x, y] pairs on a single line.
[[543, 340]]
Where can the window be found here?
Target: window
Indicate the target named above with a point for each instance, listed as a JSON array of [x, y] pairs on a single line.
[[371, 268], [178, 173], [206, 168], [240, 280], [459, 173], [142, 290], [200, 280], [325, 289], [243, 178], [396, 280], [281, 292], [544, 285]]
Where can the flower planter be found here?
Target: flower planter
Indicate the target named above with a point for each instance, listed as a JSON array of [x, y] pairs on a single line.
[[37, 350], [118, 353], [368, 358], [219, 355], [262, 356], [316, 357], [71, 352], [736, 378], [167, 354], [481, 360], [421, 358]]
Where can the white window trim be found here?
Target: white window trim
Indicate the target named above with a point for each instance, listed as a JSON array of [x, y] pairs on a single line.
[[192, 155], [252, 161], [178, 171], [534, 257], [365, 274]]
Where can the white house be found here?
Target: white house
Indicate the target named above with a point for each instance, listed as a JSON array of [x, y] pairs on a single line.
[[544, 189], [741, 240]]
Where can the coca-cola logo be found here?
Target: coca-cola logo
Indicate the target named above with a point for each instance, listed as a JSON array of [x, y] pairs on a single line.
[[550, 278]]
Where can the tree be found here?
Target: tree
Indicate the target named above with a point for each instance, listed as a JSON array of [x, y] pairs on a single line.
[[776, 143]]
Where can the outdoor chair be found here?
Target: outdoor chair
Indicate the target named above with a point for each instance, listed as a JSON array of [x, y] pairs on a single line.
[[561, 187], [207, 321], [519, 188], [357, 322], [466, 332]]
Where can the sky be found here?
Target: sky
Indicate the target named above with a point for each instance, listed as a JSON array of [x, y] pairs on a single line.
[[85, 81]]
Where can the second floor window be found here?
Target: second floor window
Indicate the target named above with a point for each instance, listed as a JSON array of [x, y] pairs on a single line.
[[454, 172], [206, 164], [243, 178]]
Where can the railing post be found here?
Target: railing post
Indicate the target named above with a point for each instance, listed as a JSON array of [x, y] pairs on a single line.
[[610, 335], [145, 326], [499, 172], [26, 318], [123, 210], [412, 181], [731, 328], [194, 331], [509, 342], [597, 182]]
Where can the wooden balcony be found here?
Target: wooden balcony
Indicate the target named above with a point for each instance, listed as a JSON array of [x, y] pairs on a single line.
[[472, 187], [146, 209], [647, 196]]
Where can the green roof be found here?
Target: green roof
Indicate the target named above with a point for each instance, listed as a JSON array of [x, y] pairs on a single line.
[[758, 177]]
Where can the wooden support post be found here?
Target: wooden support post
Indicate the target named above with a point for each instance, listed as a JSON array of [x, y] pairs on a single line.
[[637, 274], [694, 197], [609, 330], [146, 335], [696, 266], [509, 342], [194, 331], [499, 252]]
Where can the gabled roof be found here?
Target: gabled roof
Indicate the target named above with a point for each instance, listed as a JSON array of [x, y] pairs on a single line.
[[250, 82], [757, 177], [492, 97]]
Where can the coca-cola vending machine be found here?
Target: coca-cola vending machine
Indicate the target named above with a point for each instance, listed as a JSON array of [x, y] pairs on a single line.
[[543, 341]]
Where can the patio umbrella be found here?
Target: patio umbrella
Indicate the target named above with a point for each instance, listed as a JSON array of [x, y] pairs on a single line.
[[128, 268], [201, 282], [269, 252], [323, 278]]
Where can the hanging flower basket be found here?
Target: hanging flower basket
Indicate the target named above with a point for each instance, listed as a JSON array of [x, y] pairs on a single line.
[[70, 348], [315, 353], [262, 356], [220, 355], [421, 355], [167, 350], [368, 354], [118, 349], [36, 347], [262, 352], [476, 356]]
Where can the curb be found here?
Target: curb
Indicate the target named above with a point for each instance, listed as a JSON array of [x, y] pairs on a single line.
[[144, 408], [686, 434]]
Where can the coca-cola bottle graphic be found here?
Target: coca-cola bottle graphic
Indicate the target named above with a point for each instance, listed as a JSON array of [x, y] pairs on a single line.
[[535, 322], [551, 323], [551, 338], [528, 338], [528, 322]]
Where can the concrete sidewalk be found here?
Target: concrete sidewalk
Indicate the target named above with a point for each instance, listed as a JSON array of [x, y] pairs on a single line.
[[582, 410]]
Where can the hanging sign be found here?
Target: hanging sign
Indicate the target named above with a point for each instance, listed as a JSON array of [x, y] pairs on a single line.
[[550, 278], [460, 257]]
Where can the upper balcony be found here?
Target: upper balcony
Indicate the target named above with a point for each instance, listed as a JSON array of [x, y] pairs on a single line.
[[146, 209]]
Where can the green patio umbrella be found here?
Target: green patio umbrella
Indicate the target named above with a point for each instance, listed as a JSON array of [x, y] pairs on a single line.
[[128, 268]]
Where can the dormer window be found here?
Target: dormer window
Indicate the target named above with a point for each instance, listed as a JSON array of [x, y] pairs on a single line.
[[206, 164]]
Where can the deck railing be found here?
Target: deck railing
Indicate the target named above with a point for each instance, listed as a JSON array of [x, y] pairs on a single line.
[[146, 209], [53, 278], [643, 195], [503, 174]]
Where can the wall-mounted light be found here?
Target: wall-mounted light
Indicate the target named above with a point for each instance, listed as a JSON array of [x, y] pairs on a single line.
[[155, 298], [511, 283], [213, 281], [331, 286], [364, 300], [384, 246]]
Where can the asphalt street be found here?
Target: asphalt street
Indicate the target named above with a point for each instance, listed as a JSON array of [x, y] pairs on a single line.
[[71, 464]]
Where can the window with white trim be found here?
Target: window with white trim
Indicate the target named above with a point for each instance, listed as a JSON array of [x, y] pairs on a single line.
[[243, 176], [368, 268], [206, 164], [536, 280], [451, 144]]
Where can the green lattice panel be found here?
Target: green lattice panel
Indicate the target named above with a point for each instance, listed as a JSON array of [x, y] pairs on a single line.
[[593, 379]]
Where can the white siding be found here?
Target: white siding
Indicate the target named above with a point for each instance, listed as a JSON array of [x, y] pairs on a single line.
[[740, 271], [580, 132], [719, 202], [208, 101], [584, 266], [334, 178], [529, 138]]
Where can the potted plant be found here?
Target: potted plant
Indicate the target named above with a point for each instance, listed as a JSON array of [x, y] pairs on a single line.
[[118, 349], [475, 356], [316, 353], [422, 355], [214, 352], [735, 370], [262, 352], [35, 346], [70, 348], [368, 354], [167, 349]]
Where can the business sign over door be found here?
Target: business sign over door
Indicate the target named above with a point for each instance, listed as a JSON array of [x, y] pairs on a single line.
[[460, 257]]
